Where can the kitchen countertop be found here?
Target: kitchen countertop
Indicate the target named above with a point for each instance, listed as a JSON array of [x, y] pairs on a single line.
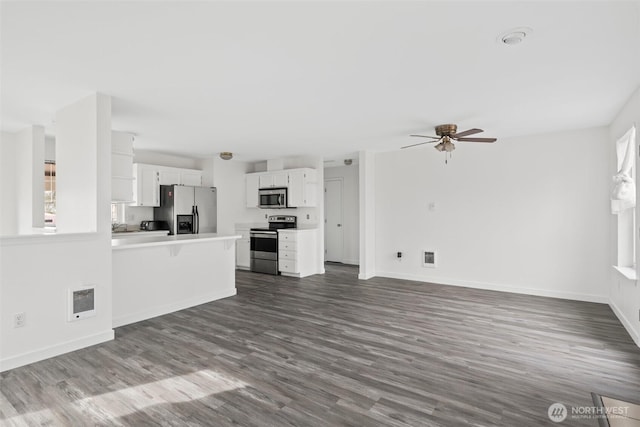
[[180, 239], [138, 233]]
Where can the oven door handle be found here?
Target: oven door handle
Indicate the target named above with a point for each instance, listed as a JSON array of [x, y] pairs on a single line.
[[265, 235]]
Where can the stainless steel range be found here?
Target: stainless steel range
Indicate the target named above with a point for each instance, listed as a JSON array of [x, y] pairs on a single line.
[[264, 244]]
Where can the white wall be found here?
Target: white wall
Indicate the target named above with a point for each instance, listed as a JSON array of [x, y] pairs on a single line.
[[350, 209], [624, 294], [154, 158], [29, 178], [83, 133], [525, 214], [36, 272], [368, 214], [35, 275], [50, 148], [8, 205]]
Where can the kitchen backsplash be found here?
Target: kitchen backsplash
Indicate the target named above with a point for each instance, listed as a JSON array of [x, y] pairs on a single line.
[[134, 214]]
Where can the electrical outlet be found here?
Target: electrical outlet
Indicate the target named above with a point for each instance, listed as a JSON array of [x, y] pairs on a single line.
[[19, 320]]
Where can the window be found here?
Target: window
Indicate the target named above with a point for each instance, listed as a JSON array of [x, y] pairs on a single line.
[[623, 203], [49, 194]]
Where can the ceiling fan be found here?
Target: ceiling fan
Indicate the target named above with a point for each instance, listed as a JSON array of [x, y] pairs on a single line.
[[447, 133]]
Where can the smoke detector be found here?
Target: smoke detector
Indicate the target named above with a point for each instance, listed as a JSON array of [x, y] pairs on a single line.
[[514, 36]]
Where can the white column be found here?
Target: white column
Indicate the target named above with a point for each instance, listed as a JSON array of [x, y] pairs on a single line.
[[83, 164], [29, 178], [367, 216]]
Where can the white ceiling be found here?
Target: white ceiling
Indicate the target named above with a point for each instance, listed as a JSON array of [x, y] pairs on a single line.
[[270, 79]]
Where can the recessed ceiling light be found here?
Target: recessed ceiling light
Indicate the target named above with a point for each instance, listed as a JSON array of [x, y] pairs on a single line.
[[514, 35]]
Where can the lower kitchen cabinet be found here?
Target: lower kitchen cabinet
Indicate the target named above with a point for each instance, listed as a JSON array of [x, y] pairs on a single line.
[[297, 252], [243, 249]]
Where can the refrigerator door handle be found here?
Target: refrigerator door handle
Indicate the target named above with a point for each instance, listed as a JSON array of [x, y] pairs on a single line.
[[197, 221], [193, 215]]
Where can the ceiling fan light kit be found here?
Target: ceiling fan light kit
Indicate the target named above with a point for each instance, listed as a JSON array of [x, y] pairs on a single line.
[[448, 132]]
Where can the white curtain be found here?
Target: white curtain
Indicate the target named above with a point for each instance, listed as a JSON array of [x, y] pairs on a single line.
[[624, 191]]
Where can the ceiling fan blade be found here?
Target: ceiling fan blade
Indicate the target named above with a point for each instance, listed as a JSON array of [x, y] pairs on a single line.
[[477, 139], [419, 143], [427, 136], [467, 132]]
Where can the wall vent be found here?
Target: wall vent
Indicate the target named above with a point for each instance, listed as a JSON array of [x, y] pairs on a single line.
[[82, 303], [429, 259]]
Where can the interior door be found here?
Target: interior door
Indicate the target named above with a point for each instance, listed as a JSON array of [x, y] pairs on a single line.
[[333, 230]]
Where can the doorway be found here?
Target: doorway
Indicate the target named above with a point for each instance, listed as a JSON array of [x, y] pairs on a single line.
[[333, 217]]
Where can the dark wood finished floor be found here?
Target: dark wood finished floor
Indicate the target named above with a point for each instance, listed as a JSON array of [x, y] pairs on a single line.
[[334, 351]]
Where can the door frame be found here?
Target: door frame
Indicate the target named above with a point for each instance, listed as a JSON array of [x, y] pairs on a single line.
[[341, 181]]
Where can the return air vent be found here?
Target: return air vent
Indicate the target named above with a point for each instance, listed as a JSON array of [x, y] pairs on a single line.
[[429, 259], [82, 303]]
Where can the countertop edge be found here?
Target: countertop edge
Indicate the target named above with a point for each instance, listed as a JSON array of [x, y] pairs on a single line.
[[128, 243]]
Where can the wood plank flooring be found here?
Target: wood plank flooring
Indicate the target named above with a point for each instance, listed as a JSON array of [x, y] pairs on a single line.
[[331, 350]]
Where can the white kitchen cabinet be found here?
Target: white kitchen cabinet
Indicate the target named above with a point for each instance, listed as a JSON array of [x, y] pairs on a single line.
[[252, 183], [191, 177], [301, 184], [121, 167], [169, 176], [297, 252], [278, 179], [243, 249], [148, 179], [302, 188], [178, 176], [146, 185]]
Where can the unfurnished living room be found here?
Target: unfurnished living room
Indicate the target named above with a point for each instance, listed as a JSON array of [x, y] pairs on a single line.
[[319, 213]]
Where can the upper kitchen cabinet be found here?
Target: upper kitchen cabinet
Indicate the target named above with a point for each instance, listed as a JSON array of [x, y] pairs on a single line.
[[168, 176], [121, 167], [252, 182], [179, 176], [146, 185], [191, 177], [302, 188], [301, 185], [149, 178], [274, 180]]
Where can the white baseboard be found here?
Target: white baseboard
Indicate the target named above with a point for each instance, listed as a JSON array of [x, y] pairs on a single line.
[[351, 261], [54, 350], [635, 335], [366, 276], [170, 308], [602, 299]]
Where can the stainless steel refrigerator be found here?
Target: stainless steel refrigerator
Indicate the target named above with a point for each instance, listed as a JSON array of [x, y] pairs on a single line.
[[188, 210]]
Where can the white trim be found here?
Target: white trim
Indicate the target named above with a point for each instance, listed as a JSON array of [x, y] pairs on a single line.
[[351, 261], [602, 299], [366, 276], [170, 308], [628, 272], [40, 236], [54, 350], [635, 335]]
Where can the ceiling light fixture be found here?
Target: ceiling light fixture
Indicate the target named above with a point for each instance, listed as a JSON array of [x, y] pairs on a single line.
[[348, 162], [514, 36], [226, 155]]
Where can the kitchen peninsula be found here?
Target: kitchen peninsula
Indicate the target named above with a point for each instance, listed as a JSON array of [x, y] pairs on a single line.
[[157, 275]]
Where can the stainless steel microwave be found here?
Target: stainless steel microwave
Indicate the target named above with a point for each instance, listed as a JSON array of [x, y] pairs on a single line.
[[272, 198]]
